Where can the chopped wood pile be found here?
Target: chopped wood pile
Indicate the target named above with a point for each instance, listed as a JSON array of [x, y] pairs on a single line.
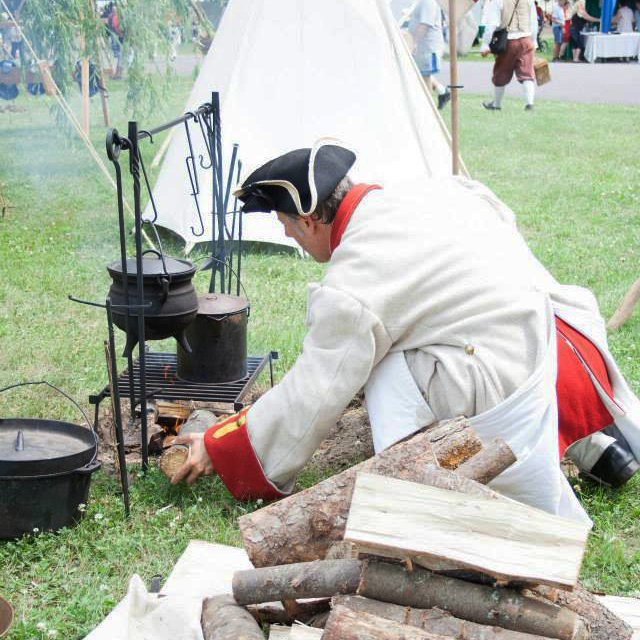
[[411, 545]]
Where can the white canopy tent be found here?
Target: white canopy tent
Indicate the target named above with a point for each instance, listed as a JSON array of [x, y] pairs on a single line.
[[292, 71]]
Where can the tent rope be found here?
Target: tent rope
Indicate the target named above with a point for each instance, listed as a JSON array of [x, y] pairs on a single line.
[[64, 105]]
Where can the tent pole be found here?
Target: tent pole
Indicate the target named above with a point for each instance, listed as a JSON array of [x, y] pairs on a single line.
[[453, 85]]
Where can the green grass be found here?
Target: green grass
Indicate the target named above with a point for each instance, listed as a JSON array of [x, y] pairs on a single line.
[[574, 188]]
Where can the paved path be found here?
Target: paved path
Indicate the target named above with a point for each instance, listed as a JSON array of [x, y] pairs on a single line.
[[612, 83]]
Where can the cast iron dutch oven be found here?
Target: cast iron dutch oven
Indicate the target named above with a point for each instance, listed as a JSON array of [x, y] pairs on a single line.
[[45, 472], [169, 291]]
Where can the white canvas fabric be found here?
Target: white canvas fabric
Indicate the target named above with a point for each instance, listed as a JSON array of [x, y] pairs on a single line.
[[292, 71]]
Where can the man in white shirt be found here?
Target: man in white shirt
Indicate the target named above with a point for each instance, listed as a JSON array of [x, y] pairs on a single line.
[[425, 26], [520, 19]]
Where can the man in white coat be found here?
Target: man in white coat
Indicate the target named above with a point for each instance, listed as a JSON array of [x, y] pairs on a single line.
[[434, 304]]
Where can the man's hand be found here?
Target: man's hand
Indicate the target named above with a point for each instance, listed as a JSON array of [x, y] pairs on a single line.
[[484, 54], [198, 463]]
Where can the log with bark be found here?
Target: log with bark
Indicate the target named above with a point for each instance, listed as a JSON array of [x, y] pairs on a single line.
[[223, 619], [488, 463], [477, 603], [345, 624], [303, 526], [176, 455], [319, 579], [603, 624], [302, 611], [431, 620]]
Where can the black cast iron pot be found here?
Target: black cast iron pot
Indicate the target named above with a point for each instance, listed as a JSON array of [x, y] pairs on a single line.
[[45, 473], [169, 291], [219, 337]]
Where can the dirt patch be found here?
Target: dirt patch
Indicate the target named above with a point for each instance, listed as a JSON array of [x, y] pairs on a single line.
[[347, 443]]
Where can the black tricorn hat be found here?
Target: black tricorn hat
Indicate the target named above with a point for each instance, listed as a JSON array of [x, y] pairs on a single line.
[[298, 181]]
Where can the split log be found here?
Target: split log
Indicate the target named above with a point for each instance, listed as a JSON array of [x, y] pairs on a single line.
[[223, 619], [303, 526], [399, 519], [302, 632], [488, 463], [432, 620], [319, 579], [345, 624], [477, 603], [603, 624], [625, 310], [278, 632]]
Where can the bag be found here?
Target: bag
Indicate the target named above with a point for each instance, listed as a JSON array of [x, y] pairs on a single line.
[[498, 43], [541, 70]]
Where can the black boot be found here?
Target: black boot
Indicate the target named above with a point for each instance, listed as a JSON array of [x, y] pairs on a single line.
[[615, 467]]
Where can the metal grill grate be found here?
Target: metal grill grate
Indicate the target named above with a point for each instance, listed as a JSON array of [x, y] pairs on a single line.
[[162, 382]]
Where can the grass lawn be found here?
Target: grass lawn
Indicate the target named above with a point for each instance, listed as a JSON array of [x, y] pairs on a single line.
[[577, 195]]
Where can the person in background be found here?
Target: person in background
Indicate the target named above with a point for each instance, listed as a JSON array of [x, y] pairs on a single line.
[[624, 18], [520, 19], [579, 19], [558, 18], [636, 15], [425, 26]]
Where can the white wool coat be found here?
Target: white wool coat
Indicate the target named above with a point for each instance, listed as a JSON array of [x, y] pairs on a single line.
[[437, 271]]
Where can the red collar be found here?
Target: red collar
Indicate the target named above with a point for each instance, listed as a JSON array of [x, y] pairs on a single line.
[[348, 205]]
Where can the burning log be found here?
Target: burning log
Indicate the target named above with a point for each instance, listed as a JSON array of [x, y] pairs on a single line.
[[223, 619], [345, 624], [432, 620], [302, 527], [319, 579], [505, 608]]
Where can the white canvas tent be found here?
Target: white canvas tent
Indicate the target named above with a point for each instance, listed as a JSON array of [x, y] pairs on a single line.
[[292, 71]]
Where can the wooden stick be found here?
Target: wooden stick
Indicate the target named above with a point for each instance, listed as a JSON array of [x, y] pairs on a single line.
[[303, 526], [345, 624], [112, 430], [223, 619], [488, 463], [603, 623], [453, 83], [85, 95], [319, 579], [477, 603], [625, 310], [432, 620]]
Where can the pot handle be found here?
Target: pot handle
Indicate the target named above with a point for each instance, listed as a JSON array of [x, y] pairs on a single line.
[[68, 397], [165, 289], [89, 468], [160, 257]]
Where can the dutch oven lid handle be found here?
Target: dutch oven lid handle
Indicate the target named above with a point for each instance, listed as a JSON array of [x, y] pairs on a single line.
[[68, 397], [161, 257]]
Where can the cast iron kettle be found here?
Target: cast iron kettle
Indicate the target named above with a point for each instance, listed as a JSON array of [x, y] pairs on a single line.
[[169, 292], [45, 472]]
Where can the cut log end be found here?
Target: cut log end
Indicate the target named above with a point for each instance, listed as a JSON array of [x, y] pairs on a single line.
[[172, 459]]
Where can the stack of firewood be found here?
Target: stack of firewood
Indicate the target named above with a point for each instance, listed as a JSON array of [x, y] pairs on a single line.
[[411, 545]]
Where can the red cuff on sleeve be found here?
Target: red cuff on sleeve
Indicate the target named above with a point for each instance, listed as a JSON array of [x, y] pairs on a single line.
[[235, 461]]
